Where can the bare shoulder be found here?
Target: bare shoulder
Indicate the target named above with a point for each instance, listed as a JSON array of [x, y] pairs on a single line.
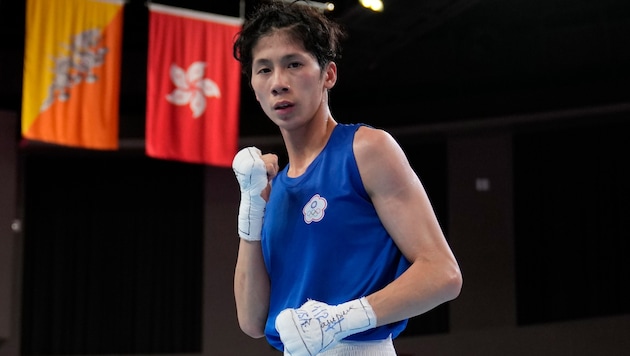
[[381, 160], [370, 142]]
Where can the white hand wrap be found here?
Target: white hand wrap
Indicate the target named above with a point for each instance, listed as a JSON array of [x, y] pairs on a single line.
[[252, 178], [317, 326]]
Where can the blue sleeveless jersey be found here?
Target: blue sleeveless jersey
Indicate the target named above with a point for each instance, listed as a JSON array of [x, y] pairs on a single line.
[[323, 240]]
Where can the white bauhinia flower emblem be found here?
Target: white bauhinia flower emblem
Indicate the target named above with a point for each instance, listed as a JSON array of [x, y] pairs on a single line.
[[192, 88]]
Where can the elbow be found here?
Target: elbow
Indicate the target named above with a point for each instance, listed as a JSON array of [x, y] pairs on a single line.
[[252, 332], [453, 282], [251, 329]]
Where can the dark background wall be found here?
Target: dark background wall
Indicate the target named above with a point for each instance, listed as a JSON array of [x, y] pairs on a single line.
[[8, 241]]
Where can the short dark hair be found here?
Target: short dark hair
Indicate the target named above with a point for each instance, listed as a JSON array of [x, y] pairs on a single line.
[[319, 35]]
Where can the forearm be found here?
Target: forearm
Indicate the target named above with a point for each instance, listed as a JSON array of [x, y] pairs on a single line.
[[316, 326], [421, 288], [251, 283], [251, 288]]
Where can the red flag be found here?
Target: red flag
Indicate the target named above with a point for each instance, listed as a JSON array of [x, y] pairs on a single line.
[[193, 86]]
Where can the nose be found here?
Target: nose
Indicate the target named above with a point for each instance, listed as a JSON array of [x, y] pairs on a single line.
[[280, 83]]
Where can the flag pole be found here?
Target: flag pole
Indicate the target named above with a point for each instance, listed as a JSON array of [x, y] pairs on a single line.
[[241, 12]]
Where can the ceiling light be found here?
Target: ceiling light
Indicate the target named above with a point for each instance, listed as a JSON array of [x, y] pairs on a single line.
[[374, 5]]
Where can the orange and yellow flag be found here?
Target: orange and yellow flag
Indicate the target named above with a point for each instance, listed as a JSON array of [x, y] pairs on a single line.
[[71, 87]]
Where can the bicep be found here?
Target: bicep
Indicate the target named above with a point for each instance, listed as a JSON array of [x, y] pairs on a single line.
[[398, 195]]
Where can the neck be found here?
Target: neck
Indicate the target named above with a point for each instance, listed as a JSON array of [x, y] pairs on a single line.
[[305, 144]]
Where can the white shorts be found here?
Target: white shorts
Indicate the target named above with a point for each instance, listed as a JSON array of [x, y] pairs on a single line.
[[362, 348]]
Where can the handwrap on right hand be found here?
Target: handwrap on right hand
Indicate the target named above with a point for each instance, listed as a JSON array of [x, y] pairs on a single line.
[[251, 174]]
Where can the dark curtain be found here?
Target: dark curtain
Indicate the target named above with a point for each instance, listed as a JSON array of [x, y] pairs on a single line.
[[112, 254], [572, 225]]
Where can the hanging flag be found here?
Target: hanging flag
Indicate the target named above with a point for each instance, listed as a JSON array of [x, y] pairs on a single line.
[[70, 93], [193, 86]]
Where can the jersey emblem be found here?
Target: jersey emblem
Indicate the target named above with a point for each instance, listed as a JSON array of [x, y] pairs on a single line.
[[314, 210]]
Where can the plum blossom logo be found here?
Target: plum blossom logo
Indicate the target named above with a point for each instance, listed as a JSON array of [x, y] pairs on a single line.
[[314, 210], [191, 88]]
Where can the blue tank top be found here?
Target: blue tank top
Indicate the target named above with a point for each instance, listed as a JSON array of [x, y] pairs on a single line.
[[323, 240]]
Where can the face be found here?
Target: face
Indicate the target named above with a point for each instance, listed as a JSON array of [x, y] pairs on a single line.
[[288, 82]]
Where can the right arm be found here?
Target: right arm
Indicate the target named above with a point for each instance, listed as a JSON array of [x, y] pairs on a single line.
[[251, 289], [251, 282]]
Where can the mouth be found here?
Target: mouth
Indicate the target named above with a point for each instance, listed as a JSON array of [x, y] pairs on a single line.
[[282, 105]]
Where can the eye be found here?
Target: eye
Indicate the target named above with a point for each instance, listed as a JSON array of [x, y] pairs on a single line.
[[295, 65], [263, 70]]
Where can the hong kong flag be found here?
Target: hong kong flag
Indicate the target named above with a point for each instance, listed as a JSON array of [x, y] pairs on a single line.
[[193, 86]]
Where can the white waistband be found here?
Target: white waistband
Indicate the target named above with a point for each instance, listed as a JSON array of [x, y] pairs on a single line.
[[362, 348]]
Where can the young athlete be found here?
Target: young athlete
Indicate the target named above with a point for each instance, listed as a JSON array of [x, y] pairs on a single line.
[[340, 247]]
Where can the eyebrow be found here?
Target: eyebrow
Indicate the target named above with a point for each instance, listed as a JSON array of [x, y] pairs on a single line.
[[286, 58]]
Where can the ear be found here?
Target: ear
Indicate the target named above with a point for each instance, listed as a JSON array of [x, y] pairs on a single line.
[[330, 75]]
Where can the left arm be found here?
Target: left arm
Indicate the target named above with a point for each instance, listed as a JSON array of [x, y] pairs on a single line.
[[406, 212]]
